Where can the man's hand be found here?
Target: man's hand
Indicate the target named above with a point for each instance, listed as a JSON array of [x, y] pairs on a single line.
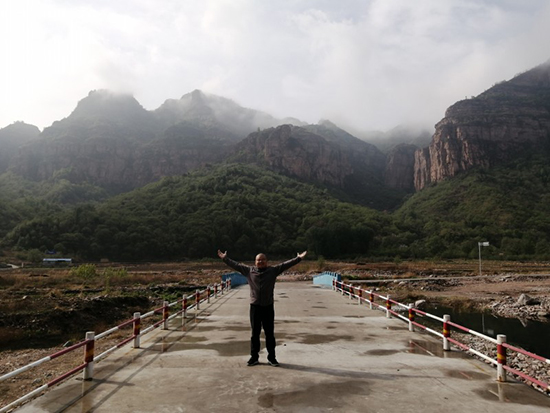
[[302, 254], [222, 255]]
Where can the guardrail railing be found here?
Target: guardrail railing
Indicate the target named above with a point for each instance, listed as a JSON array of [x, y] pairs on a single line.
[[187, 302], [370, 297]]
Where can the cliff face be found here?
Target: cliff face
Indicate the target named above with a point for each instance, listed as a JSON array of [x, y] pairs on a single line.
[[351, 168], [507, 120], [399, 172], [295, 151]]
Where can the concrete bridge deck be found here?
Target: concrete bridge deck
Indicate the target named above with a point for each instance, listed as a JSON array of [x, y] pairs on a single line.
[[335, 356]]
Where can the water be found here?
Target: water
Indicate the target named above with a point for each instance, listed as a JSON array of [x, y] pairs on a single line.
[[533, 336]]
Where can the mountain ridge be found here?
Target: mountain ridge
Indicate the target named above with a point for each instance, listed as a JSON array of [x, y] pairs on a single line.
[[484, 176], [110, 140]]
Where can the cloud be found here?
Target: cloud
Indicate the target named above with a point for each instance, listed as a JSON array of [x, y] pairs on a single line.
[[370, 64]]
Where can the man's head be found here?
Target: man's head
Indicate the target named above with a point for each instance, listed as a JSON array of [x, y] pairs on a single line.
[[261, 261]]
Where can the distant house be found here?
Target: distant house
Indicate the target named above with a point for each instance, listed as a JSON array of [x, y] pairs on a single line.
[[55, 261]]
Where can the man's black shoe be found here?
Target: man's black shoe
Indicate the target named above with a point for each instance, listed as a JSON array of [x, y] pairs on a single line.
[[273, 362], [252, 362]]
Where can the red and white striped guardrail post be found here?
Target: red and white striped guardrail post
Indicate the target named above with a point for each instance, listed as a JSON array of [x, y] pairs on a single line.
[[222, 287], [360, 295], [411, 318], [165, 313], [501, 358], [215, 290], [89, 356], [446, 332], [208, 294], [351, 291], [388, 307], [137, 329], [197, 300], [184, 314], [343, 288], [371, 300]]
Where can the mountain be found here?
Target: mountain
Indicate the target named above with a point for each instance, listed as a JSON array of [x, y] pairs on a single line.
[[297, 152], [96, 143], [506, 121], [194, 181], [324, 155], [11, 138], [110, 140], [104, 115], [207, 111]]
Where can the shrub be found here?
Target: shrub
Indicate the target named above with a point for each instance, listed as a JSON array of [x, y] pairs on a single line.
[[84, 271]]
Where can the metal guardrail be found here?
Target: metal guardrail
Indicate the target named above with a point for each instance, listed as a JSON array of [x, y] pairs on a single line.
[[500, 342], [187, 302]]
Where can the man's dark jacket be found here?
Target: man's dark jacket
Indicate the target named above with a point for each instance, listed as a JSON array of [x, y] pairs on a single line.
[[261, 280]]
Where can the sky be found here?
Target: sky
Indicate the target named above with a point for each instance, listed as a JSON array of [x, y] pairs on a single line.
[[363, 64]]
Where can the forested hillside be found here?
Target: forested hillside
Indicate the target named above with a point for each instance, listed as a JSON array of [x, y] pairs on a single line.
[[245, 209], [508, 206], [240, 208]]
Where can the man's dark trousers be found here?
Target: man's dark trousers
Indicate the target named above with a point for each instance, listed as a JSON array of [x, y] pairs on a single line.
[[262, 316]]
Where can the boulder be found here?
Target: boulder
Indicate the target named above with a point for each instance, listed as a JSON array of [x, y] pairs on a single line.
[[420, 304], [524, 299]]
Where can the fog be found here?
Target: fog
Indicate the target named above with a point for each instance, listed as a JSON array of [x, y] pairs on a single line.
[[366, 65]]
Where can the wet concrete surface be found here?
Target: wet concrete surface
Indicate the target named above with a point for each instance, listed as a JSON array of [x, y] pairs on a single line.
[[338, 356]]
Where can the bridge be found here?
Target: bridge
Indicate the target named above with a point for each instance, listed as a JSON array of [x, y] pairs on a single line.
[[335, 355]]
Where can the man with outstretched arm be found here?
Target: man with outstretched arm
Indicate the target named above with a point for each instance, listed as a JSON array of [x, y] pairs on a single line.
[[261, 279]]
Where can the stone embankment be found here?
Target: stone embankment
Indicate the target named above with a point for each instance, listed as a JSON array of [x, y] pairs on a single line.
[[528, 365], [523, 308]]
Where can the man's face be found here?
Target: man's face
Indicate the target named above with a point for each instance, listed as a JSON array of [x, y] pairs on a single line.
[[261, 261]]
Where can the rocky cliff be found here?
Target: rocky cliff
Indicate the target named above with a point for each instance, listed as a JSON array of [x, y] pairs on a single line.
[[399, 172], [504, 122], [330, 157], [112, 141], [295, 151]]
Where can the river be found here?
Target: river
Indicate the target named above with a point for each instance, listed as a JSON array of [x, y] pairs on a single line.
[[533, 336]]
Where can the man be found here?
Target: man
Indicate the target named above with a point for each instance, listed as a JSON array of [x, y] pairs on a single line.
[[261, 279]]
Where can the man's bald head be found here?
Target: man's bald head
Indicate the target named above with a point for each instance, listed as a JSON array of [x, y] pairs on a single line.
[[261, 260]]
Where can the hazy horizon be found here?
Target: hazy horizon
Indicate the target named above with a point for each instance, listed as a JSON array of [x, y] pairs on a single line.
[[363, 64]]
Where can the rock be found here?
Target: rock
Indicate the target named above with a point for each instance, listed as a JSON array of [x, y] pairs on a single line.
[[524, 299], [420, 304]]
